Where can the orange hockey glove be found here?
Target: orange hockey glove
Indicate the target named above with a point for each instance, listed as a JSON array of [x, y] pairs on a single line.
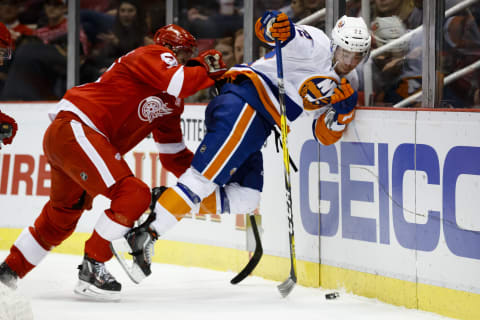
[[274, 25]]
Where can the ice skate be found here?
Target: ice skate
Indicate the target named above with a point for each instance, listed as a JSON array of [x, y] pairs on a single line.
[[7, 276], [96, 282], [138, 245]]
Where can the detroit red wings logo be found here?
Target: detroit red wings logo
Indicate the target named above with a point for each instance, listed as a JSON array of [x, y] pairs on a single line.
[[151, 108]]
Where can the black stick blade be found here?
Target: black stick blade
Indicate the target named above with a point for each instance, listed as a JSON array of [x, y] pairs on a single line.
[[257, 255], [249, 267]]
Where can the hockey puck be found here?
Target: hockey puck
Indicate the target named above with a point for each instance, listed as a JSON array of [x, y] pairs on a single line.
[[332, 295]]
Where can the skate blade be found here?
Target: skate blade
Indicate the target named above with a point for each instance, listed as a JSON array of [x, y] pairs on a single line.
[[121, 250], [89, 290]]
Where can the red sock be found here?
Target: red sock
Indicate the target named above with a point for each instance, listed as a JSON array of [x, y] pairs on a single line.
[[98, 248], [17, 262]]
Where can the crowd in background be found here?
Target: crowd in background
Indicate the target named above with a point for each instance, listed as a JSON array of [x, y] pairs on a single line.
[[111, 28]]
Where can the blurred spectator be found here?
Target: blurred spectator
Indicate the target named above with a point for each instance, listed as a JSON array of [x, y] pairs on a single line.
[[9, 13], [238, 46], [55, 30], [96, 17], [298, 9], [314, 5], [396, 73], [405, 9], [129, 31], [155, 17], [461, 48], [353, 8], [32, 12], [225, 46], [96, 5], [214, 21], [38, 71]]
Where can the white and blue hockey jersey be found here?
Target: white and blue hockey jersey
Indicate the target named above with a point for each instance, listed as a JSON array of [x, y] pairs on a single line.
[[308, 75]]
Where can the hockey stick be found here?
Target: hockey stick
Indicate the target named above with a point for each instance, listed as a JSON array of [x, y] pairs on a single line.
[[257, 254], [286, 286]]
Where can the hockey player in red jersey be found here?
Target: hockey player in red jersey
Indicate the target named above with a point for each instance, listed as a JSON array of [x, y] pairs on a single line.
[[8, 126], [93, 126]]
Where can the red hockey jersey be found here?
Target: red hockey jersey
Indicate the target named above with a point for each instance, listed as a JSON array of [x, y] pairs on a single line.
[[141, 92]]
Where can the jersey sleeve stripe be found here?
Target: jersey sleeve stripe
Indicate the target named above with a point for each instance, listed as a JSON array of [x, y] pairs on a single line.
[[170, 148], [176, 83]]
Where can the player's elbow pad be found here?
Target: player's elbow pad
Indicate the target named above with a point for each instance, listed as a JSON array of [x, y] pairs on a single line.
[[177, 163], [323, 134]]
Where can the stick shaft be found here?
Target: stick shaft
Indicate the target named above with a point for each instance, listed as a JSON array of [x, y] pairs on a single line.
[[286, 162]]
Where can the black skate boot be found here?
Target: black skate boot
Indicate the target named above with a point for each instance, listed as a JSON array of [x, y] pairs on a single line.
[[95, 281], [7, 276], [138, 243]]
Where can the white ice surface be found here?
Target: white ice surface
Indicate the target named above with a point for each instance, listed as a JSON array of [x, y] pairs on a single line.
[[177, 293]]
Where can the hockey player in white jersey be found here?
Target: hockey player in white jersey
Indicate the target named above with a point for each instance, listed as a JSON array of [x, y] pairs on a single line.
[[226, 174]]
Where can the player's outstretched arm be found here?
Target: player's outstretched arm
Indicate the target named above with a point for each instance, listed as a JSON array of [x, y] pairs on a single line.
[[212, 61]]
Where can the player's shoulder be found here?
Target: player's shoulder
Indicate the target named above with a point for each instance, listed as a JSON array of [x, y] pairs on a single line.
[[316, 40], [152, 49], [152, 53], [317, 34]]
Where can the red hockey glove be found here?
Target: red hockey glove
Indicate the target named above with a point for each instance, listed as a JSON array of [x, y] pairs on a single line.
[[212, 61], [8, 129]]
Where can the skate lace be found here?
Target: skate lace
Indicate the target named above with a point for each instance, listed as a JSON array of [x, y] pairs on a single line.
[[102, 272], [149, 251]]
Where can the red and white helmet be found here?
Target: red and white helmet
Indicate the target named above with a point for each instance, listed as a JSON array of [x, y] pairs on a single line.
[[6, 43], [176, 38], [351, 34]]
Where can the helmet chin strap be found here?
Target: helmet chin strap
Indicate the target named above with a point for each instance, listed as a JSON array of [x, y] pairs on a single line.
[[334, 64]]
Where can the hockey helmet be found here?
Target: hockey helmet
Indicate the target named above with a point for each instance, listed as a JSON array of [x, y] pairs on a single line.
[[6, 43], [351, 34], [176, 38]]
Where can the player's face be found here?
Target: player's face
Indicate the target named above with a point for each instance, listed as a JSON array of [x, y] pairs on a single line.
[[345, 61], [183, 55]]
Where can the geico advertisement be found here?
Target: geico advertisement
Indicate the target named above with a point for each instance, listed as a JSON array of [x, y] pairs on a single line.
[[398, 196]]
